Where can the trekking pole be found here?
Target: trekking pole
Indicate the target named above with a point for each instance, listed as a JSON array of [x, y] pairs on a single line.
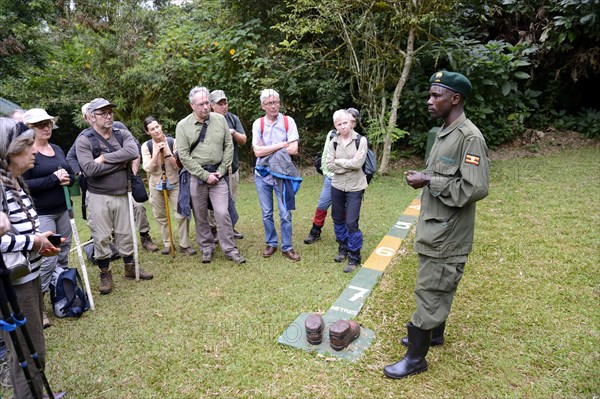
[[10, 322], [78, 246], [133, 231], [166, 196]]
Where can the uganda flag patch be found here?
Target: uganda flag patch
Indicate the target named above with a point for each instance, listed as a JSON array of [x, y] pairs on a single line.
[[472, 159]]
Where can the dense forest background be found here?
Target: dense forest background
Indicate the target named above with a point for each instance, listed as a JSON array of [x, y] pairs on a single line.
[[533, 64]]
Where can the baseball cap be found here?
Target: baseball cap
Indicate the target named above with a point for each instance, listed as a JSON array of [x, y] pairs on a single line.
[[98, 103], [216, 95]]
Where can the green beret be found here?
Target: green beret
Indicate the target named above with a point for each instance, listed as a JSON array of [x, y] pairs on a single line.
[[451, 80]]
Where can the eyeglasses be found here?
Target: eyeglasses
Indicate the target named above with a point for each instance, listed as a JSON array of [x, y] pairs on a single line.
[[105, 114], [271, 103], [42, 124]]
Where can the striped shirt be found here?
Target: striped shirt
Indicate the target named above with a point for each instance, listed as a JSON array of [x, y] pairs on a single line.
[[21, 236]]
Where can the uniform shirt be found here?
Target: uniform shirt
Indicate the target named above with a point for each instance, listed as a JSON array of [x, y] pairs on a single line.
[[155, 171], [458, 165], [216, 149], [110, 177], [348, 175]]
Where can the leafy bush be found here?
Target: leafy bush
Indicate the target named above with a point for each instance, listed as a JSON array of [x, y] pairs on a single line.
[[585, 122]]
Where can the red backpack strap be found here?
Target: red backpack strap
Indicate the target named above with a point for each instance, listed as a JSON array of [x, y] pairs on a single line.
[[262, 124], [286, 124]]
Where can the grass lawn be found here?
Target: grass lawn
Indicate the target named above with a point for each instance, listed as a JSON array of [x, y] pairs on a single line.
[[525, 321]]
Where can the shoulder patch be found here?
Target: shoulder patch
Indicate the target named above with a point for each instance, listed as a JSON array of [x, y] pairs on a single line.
[[472, 159]]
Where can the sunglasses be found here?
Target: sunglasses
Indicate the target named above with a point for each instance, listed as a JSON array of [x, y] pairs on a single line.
[[42, 124]]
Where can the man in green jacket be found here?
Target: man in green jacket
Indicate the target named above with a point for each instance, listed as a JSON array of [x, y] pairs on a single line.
[[455, 178], [205, 148]]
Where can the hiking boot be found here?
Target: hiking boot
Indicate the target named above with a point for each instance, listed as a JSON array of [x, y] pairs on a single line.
[[130, 272], [188, 250], [45, 320], [106, 281], [237, 234], [166, 251], [310, 239], [342, 251], [353, 261], [341, 256], [236, 258], [314, 235], [207, 256], [147, 243]]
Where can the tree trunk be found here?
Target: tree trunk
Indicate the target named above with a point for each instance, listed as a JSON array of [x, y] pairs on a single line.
[[387, 142]]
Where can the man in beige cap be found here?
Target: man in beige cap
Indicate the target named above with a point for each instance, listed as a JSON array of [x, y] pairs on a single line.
[[103, 153], [220, 105]]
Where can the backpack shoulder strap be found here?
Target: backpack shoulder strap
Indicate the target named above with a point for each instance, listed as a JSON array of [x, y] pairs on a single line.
[[89, 133], [286, 123], [262, 125], [118, 136], [170, 142], [150, 145]]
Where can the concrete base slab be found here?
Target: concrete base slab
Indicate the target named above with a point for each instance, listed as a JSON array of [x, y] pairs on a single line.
[[295, 337]]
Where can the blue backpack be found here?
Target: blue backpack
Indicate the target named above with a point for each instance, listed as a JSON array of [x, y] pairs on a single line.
[[67, 294]]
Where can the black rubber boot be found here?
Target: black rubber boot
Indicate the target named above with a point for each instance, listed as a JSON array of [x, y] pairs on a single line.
[[437, 336], [314, 235], [414, 361]]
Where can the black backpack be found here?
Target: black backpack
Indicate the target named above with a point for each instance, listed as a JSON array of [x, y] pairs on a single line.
[[370, 166], [67, 294]]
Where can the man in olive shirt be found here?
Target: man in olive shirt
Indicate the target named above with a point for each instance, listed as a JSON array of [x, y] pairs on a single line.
[[456, 177], [108, 177], [205, 148]]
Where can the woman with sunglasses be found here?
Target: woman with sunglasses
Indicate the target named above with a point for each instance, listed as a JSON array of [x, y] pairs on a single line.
[[46, 180], [17, 155]]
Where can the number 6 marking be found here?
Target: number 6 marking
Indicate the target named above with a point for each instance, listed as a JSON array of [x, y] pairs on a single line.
[[385, 251]]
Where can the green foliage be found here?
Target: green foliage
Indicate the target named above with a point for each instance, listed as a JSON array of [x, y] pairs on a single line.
[[501, 100], [585, 122]]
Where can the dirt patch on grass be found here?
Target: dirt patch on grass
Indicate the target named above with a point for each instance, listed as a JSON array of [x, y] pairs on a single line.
[[542, 142]]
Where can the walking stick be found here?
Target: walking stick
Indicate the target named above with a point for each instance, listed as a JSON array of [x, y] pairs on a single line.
[[133, 230], [10, 323], [78, 246], [166, 196]]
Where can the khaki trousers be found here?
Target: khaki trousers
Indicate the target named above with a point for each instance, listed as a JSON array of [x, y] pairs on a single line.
[[159, 209], [108, 214]]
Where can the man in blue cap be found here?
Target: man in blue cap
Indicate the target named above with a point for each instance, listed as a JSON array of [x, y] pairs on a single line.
[[455, 178]]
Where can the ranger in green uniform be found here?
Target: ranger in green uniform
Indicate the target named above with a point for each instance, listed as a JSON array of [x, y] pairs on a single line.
[[456, 177]]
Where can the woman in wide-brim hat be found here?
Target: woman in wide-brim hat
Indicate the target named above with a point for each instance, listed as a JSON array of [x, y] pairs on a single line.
[[50, 173]]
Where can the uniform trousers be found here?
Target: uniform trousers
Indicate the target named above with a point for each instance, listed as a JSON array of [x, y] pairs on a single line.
[[436, 284]]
